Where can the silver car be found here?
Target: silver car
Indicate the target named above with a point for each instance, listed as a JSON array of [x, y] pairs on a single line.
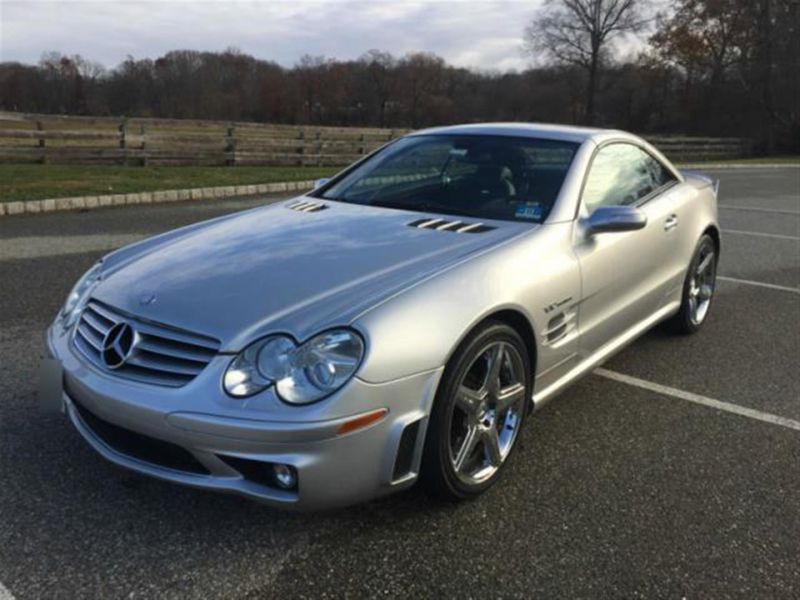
[[398, 323]]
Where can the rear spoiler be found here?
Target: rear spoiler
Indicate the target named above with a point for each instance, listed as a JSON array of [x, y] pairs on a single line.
[[689, 174]]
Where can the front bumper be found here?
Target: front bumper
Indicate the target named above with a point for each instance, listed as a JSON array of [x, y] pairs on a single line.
[[197, 436]]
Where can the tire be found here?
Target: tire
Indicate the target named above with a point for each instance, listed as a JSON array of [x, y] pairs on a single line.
[[698, 289], [462, 457]]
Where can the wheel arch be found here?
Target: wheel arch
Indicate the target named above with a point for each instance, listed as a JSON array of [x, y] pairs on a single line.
[[713, 231], [520, 323], [515, 319]]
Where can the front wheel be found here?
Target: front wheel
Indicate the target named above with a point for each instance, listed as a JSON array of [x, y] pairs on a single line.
[[478, 413], [698, 288]]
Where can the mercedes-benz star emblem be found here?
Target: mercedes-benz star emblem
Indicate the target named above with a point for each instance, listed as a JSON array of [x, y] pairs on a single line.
[[118, 345], [147, 298]]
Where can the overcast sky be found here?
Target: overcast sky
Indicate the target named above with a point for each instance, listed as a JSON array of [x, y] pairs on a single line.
[[485, 34]]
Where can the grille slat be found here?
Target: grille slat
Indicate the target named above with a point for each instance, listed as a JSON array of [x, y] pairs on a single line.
[[98, 317], [92, 321], [158, 362], [92, 336], [86, 348], [175, 350], [161, 355], [154, 376], [209, 345], [99, 309]]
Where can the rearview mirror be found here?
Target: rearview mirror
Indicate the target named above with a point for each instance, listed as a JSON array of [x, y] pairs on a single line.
[[320, 182], [609, 219]]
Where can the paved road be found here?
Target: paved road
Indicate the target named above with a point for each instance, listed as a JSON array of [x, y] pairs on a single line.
[[616, 490]]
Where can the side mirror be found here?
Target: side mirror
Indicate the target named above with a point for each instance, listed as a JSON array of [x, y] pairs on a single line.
[[320, 182], [610, 219]]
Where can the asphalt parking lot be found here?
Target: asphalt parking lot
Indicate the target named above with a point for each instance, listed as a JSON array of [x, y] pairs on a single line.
[[645, 485]]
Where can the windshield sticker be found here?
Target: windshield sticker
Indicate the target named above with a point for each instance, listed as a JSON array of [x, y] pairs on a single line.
[[528, 210], [458, 152]]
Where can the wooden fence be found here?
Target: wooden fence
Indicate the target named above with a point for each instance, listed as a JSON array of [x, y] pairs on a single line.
[[32, 138]]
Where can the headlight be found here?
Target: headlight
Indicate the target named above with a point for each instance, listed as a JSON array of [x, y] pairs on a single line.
[[301, 374], [79, 295]]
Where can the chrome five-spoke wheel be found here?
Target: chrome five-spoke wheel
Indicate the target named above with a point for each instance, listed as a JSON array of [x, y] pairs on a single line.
[[485, 418], [478, 413], [701, 284], [698, 288]]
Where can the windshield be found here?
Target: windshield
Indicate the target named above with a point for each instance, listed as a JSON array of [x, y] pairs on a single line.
[[479, 176]]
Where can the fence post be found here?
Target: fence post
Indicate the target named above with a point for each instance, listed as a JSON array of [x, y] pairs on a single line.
[[40, 127], [362, 148], [318, 147], [301, 149], [123, 142], [230, 145], [143, 145]]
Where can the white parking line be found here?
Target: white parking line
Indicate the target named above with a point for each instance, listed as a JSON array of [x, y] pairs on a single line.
[[771, 286], [698, 399], [4, 593], [760, 234], [779, 211]]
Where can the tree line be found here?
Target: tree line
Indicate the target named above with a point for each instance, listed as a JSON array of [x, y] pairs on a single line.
[[707, 67]]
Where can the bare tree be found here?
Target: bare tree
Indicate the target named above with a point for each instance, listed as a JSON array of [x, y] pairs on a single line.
[[578, 32], [309, 72], [420, 73], [380, 68], [740, 54]]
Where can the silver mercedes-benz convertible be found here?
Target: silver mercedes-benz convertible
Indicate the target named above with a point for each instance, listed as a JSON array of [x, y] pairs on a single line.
[[399, 322]]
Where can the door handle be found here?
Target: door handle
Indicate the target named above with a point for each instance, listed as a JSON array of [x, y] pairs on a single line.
[[671, 222]]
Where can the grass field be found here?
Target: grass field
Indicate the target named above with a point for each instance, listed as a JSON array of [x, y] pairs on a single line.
[[37, 182]]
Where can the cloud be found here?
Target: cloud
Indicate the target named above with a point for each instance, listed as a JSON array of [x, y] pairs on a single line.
[[484, 34]]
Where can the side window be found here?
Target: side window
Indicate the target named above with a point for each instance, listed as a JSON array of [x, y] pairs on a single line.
[[622, 174]]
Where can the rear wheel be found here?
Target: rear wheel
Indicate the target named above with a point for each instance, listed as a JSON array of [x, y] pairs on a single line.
[[698, 288], [478, 413]]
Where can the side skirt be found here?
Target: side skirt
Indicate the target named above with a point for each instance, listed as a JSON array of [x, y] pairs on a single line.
[[601, 355]]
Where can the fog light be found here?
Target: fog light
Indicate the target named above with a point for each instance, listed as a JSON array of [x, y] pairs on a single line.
[[285, 476]]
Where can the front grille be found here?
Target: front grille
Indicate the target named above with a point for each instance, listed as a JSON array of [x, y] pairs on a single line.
[[139, 446], [160, 355]]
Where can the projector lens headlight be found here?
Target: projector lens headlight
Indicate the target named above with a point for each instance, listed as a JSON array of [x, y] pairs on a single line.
[[301, 374]]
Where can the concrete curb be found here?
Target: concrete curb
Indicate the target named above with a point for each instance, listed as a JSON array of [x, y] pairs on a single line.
[[210, 193]]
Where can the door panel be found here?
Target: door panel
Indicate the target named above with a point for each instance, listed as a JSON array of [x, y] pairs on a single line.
[[623, 281], [626, 275], [681, 240]]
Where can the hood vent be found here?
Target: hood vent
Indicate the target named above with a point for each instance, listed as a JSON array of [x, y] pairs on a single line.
[[454, 226], [304, 206]]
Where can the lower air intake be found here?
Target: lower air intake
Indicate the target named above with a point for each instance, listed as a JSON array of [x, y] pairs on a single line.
[[404, 460]]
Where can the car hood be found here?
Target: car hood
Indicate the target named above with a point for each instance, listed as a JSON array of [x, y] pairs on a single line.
[[279, 269]]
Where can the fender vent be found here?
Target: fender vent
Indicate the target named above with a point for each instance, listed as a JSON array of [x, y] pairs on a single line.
[[304, 206], [454, 226], [558, 327], [404, 461]]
